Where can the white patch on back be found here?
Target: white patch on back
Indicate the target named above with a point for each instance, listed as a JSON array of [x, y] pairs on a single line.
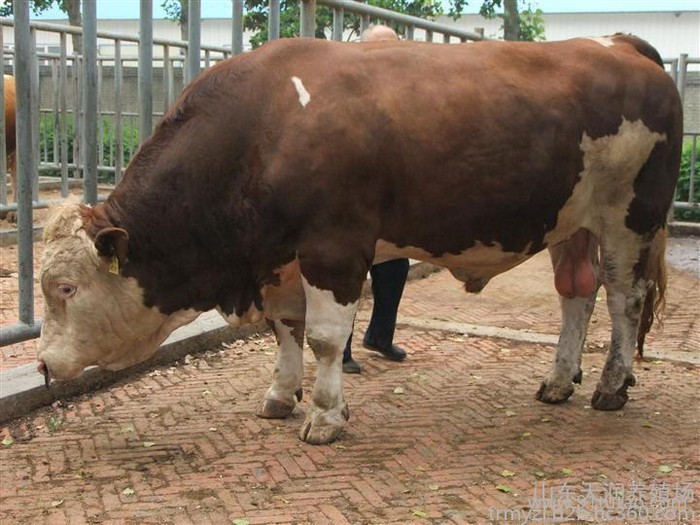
[[606, 188], [605, 41], [304, 97]]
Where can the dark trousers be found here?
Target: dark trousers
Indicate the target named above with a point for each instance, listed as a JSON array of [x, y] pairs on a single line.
[[388, 280]]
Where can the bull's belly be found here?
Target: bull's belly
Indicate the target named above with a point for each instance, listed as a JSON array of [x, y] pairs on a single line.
[[474, 266]]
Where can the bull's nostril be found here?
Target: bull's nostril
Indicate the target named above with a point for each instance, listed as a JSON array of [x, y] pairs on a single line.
[[43, 369]]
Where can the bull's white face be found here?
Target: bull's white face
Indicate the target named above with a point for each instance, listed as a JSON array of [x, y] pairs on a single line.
[[92, 316]]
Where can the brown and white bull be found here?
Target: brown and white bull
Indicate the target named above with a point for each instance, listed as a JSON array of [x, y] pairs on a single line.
[[10, 137], [279, 176]]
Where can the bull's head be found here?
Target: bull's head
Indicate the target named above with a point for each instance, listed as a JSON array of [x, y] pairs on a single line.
[[93, 315]]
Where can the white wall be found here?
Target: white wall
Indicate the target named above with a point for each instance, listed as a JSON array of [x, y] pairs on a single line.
[[670, 33]]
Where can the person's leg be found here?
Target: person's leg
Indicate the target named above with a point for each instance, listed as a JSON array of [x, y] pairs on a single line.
[[388, 280], [350, 366]]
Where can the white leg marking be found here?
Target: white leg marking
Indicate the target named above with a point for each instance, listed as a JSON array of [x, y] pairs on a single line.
[[304, 97], [279, 399], [576, 314], [328, 326]]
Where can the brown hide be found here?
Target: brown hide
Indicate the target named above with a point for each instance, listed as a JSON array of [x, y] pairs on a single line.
[[437, 147], [10, 137]]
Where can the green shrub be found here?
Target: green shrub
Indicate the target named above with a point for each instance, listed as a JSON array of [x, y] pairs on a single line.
[[683, 187], [130, 143]]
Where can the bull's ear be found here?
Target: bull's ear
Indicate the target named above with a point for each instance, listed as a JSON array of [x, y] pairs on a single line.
[[113, 243]]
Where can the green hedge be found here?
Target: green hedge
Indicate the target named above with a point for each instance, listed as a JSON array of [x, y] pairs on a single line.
[[683, 188]]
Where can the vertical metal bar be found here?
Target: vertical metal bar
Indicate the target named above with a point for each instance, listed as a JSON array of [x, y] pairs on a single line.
[[237, 29], [24, 65], [445, 38], [77, 116], [428, 36], [693, 167], [55, 120], [273, 20], [364, 23], [171, 82], [35, 116], [338, 18], [90, 100], [3, 138], [194, 29], [166, 78], [410, 32], [100, 118], [145, 71], [307, 20], [118, 127], [207, 59], [682, 73], [63, 101]]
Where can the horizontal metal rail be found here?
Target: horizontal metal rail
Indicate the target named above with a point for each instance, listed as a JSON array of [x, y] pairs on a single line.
[[410, 21]]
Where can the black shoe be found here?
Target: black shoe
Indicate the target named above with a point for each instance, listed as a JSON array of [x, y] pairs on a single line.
[[393, 353], [351, 367]]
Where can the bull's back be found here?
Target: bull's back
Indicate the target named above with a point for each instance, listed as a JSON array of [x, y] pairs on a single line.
[[485, 139]]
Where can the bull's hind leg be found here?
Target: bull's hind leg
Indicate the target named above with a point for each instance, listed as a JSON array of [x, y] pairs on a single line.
[[574, 260], [279, 400], [623, 263]]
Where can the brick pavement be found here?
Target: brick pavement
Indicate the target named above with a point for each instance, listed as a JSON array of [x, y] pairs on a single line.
[[181, 444]]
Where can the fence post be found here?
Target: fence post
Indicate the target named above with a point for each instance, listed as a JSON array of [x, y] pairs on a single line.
[[273, 21], [194, 30], [682, 74], [63, 101], [308, 18], [145, 73], [90, 101], [338, 18], [26, 167], [237, 33]]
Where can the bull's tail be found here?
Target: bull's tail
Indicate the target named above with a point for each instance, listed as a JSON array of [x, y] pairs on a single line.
[[656, 276]]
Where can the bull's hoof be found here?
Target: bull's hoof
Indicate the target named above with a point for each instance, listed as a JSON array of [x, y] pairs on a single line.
[[274, 409], [615, 401], [554, 394], [323, 427]]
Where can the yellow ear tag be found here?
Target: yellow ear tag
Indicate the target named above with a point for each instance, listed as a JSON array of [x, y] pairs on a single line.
[[114, 266]]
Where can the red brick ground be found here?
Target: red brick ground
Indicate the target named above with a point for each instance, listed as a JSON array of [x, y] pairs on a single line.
[[182, 444]]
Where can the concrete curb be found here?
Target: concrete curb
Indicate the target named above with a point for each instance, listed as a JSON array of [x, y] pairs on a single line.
[[22, 389]]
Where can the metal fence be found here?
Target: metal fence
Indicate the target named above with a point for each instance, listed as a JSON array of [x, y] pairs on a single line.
[[74, 123]]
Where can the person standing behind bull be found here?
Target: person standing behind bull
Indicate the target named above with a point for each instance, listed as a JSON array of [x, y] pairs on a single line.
[[388, 279]]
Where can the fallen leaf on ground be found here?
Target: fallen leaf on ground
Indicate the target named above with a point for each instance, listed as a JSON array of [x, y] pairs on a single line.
[[567, 471], [398, 390], [128, 491], [510, 413], [539, 474], [503, 488], [434, 486], [419, 513], [507, 473], [149, 444], [57, 503], [665, 469], [8, 441]]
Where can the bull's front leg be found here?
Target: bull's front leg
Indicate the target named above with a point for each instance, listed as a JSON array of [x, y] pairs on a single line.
[[328, 326], [285, 390]]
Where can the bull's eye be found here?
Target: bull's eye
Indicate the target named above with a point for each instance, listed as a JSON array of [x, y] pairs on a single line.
[[66, 291]]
